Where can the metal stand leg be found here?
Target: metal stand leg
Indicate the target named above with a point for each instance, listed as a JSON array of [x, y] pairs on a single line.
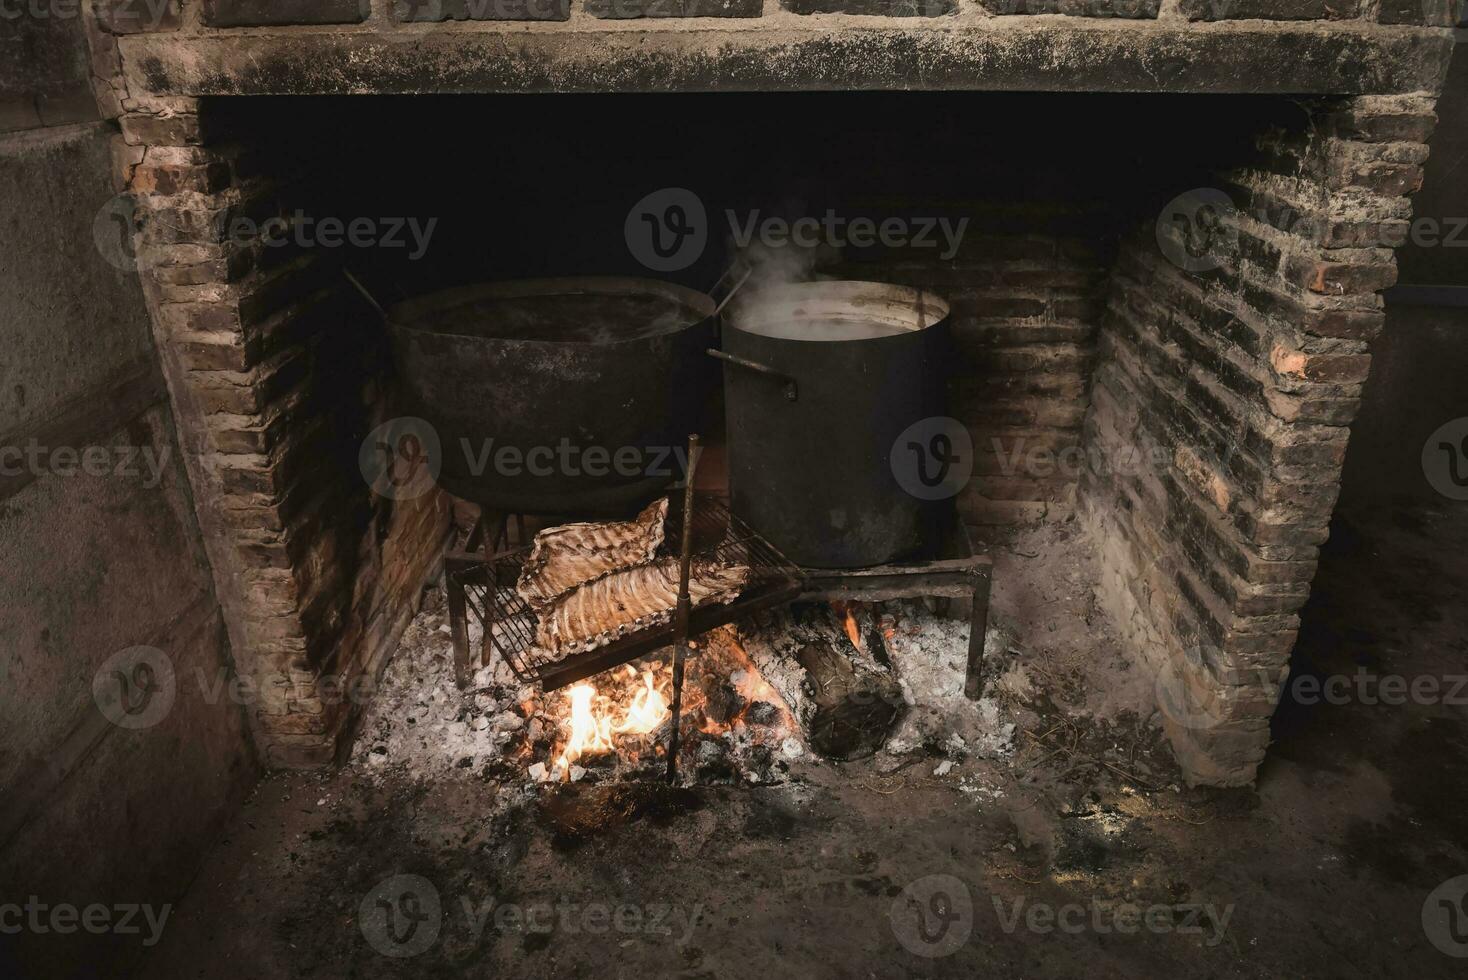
[[500, 540], [973, 684], [680, 617], [476, 534], [458, 627]]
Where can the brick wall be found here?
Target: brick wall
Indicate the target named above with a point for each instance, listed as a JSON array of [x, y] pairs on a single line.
[[1025, 292], [1232, 384], [277, 372]]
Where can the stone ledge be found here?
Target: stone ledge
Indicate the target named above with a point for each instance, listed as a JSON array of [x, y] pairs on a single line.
[[785, 52]]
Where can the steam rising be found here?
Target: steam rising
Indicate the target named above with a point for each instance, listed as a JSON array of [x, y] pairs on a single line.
[[765, 305], [774, 267]]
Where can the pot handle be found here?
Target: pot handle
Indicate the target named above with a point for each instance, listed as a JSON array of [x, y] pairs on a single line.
[[738, 273], [367, 295], [792, 390]]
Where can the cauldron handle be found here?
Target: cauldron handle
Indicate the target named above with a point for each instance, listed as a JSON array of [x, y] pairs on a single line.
[[367, 295], [737, 268], [792, 389]]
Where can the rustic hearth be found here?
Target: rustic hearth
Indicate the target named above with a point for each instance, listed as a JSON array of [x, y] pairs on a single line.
[[356, 353], [1102, 314]]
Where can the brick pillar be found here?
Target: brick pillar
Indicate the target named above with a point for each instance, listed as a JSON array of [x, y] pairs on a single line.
[[1232, 360], [276, 372]]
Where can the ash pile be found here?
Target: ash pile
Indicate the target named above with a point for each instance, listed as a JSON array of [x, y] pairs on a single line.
[[800, 685]]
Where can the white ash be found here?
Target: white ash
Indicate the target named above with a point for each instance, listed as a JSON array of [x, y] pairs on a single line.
[[930, 655], [735, 727], [420, 722]]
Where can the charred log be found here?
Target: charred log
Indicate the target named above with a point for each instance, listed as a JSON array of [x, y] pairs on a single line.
[[842, 693]]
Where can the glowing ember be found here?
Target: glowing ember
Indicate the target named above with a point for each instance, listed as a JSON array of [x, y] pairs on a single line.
[[752, 686]]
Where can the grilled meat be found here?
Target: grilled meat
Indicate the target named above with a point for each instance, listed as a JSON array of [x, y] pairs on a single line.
[[564, 557], [630, 599]]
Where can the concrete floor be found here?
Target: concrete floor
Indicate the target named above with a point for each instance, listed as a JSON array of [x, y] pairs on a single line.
[[1322, 871]]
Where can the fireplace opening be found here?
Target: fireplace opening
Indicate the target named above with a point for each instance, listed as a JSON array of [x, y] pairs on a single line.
[[1121, 286], [719, 487]]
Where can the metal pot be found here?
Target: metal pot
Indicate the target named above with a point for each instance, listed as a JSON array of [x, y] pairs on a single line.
[[820, 379], [536, 386]]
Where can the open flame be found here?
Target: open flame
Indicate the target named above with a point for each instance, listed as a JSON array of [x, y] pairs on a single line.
[[595, 721], [622, 713], [853, 631], [647, 711]]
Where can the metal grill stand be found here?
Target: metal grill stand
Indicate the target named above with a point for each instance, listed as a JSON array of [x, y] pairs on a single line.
[[484, 587], [960, 578]]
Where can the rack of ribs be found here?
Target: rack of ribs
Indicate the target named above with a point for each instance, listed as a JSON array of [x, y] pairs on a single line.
[[631, 599], [564, 557]]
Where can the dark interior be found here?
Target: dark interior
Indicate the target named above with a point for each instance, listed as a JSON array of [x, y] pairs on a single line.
[[540, 185]]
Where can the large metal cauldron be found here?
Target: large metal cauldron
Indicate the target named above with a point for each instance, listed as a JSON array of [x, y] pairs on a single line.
[[820, 381], [583, 385]]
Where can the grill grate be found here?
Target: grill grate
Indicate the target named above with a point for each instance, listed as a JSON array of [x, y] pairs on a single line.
[[509, 624]]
